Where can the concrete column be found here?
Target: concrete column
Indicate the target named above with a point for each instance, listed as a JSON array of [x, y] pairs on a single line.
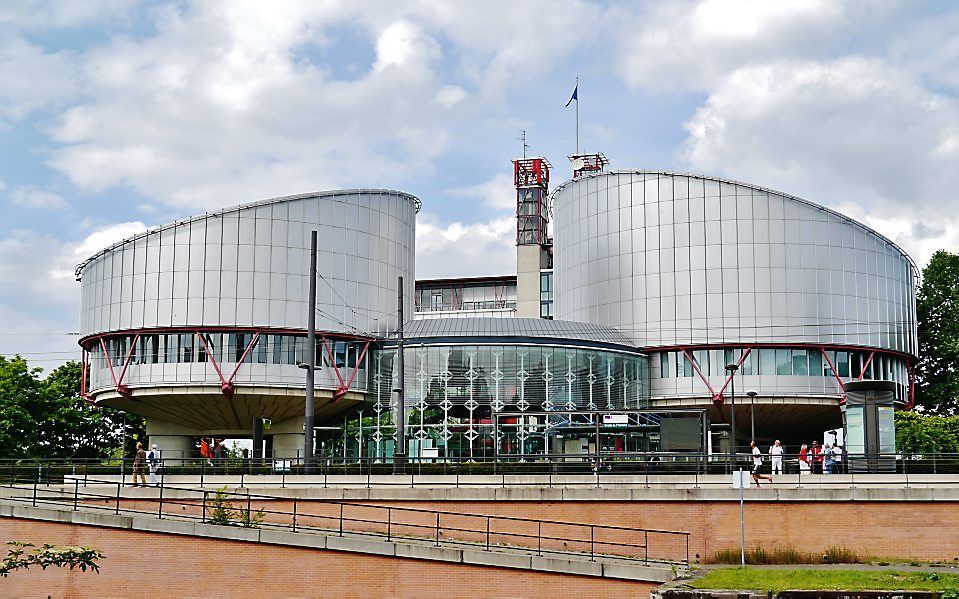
[[287, 437], [530, 259]]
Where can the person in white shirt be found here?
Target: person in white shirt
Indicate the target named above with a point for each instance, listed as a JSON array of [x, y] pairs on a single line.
[[153, 461], [776, 457], [757, 464]]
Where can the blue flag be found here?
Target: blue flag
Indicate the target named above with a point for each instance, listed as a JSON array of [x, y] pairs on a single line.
[[575, 96]]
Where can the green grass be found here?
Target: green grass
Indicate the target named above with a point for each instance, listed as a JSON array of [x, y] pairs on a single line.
[[840, 580]]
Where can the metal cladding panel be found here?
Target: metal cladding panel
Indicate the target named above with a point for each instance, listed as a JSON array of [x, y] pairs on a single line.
[[672, 259], [249, 266]]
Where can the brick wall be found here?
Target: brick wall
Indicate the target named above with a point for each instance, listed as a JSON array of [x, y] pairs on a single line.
[[900, 530], [140, 564]]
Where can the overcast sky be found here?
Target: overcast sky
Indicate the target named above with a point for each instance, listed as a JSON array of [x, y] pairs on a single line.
[[116, 116]]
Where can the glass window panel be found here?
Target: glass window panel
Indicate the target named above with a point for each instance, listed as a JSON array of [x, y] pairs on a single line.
[[800, 363], [842, 363], [783, 362], [767, 361], [815, 363]]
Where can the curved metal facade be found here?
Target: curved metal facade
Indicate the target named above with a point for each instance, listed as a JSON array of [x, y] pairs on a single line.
[[241, 271], [681, 262]]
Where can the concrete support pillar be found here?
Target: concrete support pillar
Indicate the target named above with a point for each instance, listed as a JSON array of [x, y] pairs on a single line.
[[530, 259], [288, 437], [257, 438]]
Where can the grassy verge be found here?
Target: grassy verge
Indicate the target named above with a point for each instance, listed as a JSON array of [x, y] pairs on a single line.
[[845, 580]]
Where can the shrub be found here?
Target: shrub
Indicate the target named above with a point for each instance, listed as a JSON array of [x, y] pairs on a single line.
[[785, 554]]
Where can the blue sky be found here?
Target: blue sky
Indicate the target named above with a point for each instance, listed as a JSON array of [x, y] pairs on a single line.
[[118, 115]]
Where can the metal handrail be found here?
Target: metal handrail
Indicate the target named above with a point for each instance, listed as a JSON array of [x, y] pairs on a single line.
[[63, 497]]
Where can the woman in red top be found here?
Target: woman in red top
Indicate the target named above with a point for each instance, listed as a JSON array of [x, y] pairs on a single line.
[[816, 458], [804, 459]]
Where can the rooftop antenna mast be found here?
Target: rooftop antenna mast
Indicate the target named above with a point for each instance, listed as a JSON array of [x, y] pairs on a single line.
[[522, 138]]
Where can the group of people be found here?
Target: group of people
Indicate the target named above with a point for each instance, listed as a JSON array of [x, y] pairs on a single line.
[[824, 459]]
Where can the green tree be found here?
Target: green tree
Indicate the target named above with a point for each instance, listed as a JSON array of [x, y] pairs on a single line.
[[926, 433], [47, 418], [21, 399], [937, 311], [75, 429]]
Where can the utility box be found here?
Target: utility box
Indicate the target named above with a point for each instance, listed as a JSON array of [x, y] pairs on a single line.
[[870, 426]]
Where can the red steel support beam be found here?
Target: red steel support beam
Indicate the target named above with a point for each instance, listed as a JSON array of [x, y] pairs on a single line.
[[344, 389], [109, 360], [246, 352], [912, 386], [835, 373], [865, 366], [216, 367], [702, 378], [336, 370], [718, 397], [121, 388]]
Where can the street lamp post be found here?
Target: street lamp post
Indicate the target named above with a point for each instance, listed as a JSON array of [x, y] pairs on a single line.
[[752, 412], [732, 368]]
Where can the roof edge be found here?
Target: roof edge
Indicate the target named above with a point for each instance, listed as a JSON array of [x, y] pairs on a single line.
[[417, 205], [826, 209]]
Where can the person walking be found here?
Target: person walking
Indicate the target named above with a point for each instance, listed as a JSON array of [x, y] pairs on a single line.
[[757, 464], [804, 466], [138, 463], [776, 457], [153, 460]]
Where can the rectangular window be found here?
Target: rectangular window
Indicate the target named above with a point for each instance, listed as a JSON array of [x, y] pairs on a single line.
[[186, 348], [842, 364], [664, 365], [277, 348], [800, 363], [767, 361], [701, 356], [260, 349], [747, 366], [855, 364], [730, 356], [784, 365], [815, 363], [686, 366]]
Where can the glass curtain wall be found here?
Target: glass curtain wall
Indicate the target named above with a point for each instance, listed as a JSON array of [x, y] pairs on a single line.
[[453, 390]]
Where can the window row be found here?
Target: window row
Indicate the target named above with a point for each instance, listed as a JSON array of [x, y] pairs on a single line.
[[784, 362], [182, 348]]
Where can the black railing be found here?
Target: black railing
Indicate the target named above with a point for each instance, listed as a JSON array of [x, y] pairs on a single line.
[[342, 518], [610, 468]]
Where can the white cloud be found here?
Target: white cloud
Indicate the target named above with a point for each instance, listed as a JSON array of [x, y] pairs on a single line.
[[846, 132], [51, 80], [450, 95], [457, 249], [497, 193], [221, 99], [106, 236], [31, 197], [39, 298], [404, 43], [693, 45]]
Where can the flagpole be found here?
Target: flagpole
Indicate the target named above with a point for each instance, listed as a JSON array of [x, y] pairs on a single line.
[[577, 114]]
